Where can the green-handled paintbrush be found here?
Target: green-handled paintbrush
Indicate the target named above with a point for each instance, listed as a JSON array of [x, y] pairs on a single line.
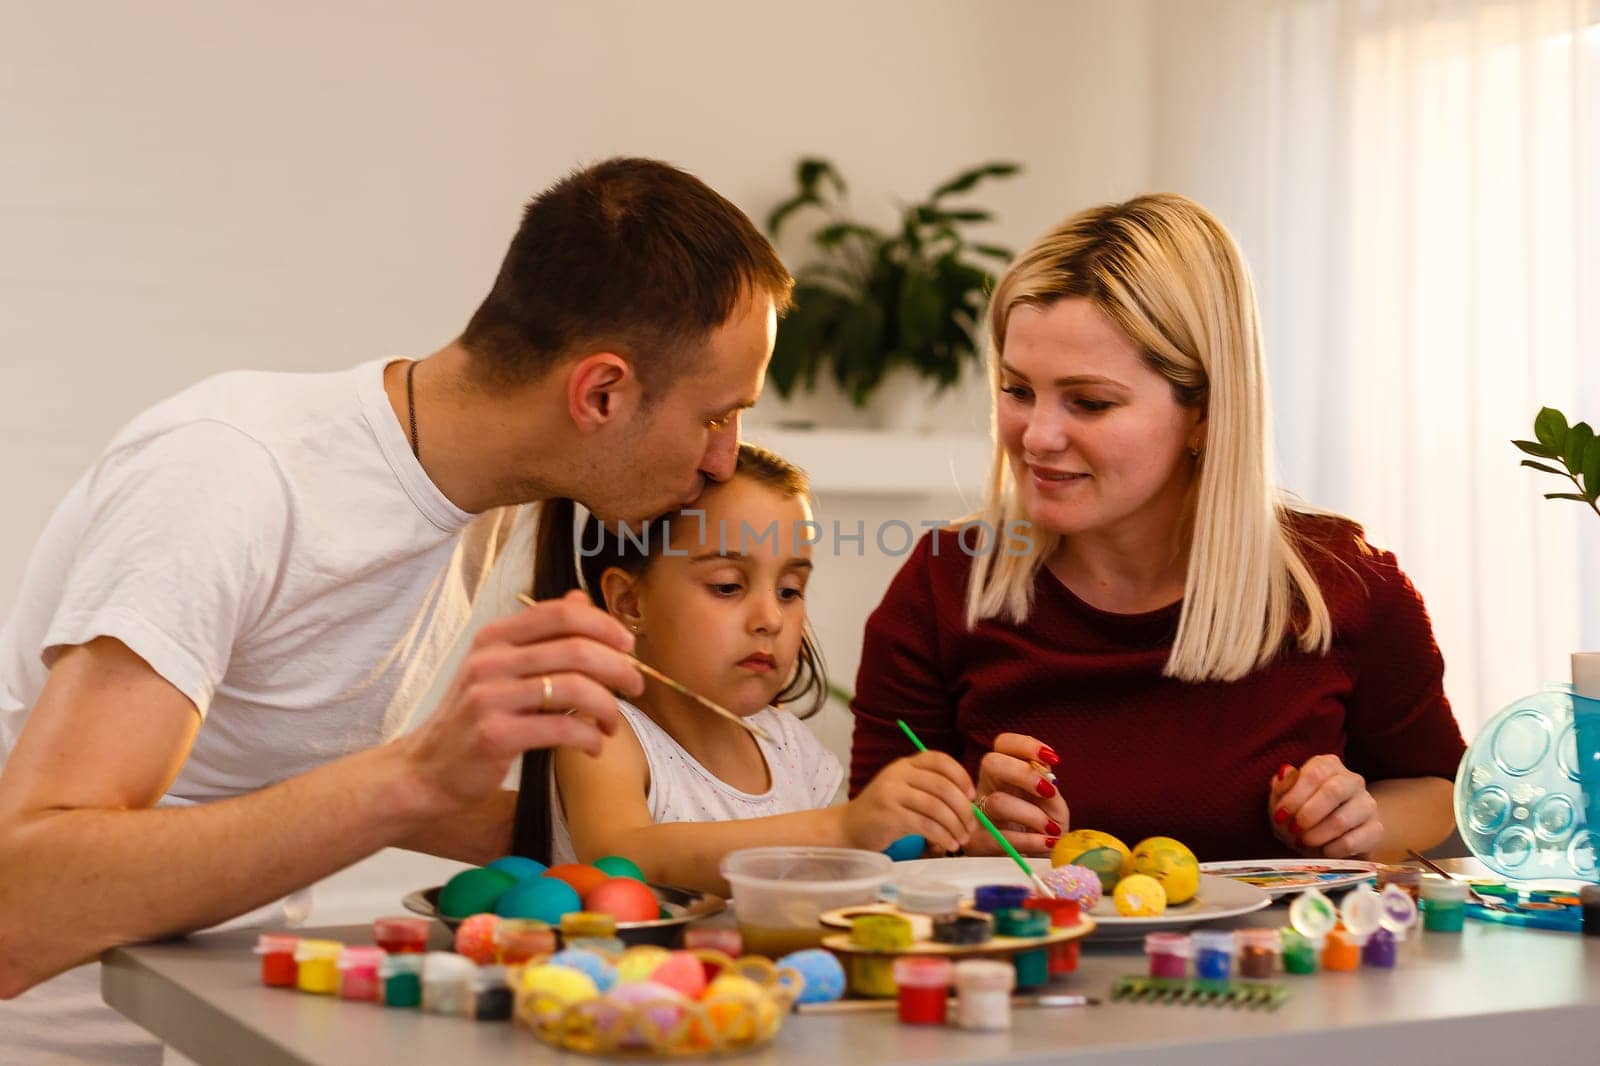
[[983, 820]]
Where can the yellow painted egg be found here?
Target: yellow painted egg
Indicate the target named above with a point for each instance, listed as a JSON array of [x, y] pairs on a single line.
[[1139, 896], [638, 963], [1089, 847], [738, 1008], [551, 989], [1171, 863]]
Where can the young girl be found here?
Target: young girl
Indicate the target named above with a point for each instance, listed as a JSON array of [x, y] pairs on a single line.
[[717, 601]]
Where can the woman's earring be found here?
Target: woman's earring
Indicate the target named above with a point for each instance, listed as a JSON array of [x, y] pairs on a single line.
[[1194, 453]]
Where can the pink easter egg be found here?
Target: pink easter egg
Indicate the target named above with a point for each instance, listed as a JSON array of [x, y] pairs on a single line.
[[683, 972], [475, 938]]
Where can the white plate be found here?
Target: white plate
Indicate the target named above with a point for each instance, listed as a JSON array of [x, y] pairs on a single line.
[[1219, 897], [1279, 877]]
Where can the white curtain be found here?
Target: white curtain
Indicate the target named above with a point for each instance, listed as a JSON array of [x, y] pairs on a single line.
[[1415, 184]]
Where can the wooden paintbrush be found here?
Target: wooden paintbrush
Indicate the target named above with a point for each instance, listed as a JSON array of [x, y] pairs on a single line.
[[682, 690]]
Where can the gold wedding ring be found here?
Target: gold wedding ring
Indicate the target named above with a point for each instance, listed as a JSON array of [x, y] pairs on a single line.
[[549, 693]]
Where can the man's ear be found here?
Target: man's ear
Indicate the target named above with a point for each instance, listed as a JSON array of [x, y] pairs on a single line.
[[602, 390], [621, 592]]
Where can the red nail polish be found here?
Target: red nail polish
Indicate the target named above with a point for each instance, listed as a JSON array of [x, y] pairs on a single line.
[[1294, 827], [1051, 828], [1050, 842], [1048, 756], [1280, 816], [1045, 788], [1284, 770]]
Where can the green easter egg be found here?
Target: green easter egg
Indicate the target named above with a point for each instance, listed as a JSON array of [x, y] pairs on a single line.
[[473, 892], [617, 866], [1107, 862]]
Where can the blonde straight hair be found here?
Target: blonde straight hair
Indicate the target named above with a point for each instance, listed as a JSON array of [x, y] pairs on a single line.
[[1172, 279]]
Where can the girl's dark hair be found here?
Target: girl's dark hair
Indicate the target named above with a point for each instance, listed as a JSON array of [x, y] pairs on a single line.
[[558, 570]]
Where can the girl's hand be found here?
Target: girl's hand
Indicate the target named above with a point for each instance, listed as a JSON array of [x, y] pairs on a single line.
[[1018, 798], [928, 794], [1324, 810]]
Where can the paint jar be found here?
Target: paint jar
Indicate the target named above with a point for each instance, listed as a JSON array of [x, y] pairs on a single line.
[[401, 936], [992, 898], [966, 929], [1343, 951], [522, 940], [491, 995], [1213, 954], [1169, 954], [1444, 905], [983, 994], [1589, 900], [402, 979], [278, 968], [1299, 952], [1380, 950], [1064, 914], [873, 975], [591, 931], [358, 973], [935, 899], [1409, 880], [1033, 967], [318, 966], [1259, 951], [447, 982], [924, 988]]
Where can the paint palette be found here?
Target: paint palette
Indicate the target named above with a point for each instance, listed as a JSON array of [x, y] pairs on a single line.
[[1519, 798], [1279, 877], [1195, 991]]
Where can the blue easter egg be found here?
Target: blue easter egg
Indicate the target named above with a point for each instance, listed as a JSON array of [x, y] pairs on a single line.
[[822, 972], [543, 898], [906, 848], [601, 972], [519, 866]]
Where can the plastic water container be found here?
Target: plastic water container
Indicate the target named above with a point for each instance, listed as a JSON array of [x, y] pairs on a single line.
[[779, 892]]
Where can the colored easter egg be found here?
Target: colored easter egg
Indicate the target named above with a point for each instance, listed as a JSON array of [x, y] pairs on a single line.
[[639, 962], [518, 866], [599, 969], [473, 892], [682, 972], [624, 899], [658, 1013], [908, 847], [1074, 882], [1072, 846], [1106, 862], [1140, 896], [739, 1009], [542, 898], [548, 990], [582, 877], [617, 866], [1169, 862], [475, 938], [824, 976]]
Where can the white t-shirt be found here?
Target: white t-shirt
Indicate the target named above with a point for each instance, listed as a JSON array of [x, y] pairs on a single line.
[[804, 774], [270, 546]]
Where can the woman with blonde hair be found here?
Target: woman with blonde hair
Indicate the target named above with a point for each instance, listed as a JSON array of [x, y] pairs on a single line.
[[1136, 606]]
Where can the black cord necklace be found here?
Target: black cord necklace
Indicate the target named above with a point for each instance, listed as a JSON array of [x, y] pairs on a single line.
[[411, 408]]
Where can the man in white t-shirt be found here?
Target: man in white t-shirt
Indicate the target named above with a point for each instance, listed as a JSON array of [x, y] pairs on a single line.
[[232, 614]]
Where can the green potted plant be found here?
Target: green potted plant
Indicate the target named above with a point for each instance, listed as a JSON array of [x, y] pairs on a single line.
[[1576, 448], [873, 302]]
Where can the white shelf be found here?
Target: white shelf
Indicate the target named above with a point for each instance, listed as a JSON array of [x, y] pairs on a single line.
[[879, 462]]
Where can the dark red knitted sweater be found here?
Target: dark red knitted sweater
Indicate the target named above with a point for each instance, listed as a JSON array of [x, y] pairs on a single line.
[[1141, 754]]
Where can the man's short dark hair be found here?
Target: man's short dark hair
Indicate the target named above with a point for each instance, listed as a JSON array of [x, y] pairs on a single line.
[[629, 255]]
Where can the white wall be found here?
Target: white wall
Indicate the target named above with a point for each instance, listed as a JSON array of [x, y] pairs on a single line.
[[192, 187]]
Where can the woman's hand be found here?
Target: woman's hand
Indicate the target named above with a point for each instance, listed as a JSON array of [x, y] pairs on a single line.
[[1324, 810], [928, 794], [1015, 791]]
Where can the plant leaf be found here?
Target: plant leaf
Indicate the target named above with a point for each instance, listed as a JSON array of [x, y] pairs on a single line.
[[994, 250], [1578, 438], [1551, 428], [813, 169], [969, 178], [829, 236], [1535, 448], [1546, 469], [1591, 470], [789, 207]]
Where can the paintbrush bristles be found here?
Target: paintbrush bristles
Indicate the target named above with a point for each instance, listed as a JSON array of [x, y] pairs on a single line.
[[683, 690]]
